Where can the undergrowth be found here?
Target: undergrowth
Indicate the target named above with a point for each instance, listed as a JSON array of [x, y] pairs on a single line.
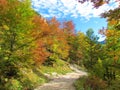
[[31, 76], [60, 67]]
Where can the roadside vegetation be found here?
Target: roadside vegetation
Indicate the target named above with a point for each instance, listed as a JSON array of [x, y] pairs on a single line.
[[103, 60], [31, 46]]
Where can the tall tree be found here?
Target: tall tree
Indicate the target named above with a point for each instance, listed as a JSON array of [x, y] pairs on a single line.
[[78, 46], [15, 26], [98, 3], [92, 51], [40, 33]]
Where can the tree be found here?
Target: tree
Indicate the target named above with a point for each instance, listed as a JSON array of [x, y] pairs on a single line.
[[78, 46], [97, 3], [111, 62], [93, 49], [15, 26], [112, 17], [112, 34], [68, 28], [40, 33], [56, 43]]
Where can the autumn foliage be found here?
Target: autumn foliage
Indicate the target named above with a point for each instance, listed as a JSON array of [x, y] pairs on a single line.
[[27, 40], [50, 39]]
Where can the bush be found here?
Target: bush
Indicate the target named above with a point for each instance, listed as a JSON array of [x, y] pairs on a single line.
[[90, 83], [79, 84], [115, 85], [30, 79], [13, 84], [98, 69], [95, 83], [60, 67]]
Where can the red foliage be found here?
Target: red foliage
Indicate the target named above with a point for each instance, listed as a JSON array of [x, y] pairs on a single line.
[[41, 28], [40, 33], [48, 34], [69, 28], [3, 6], [40, 53]]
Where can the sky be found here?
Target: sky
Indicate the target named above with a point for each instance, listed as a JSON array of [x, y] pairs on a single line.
[[84, 15]]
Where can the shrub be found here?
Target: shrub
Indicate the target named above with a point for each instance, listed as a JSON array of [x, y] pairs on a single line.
[[90, 83], [98, 69], [95, 83], [13, 84], [60, 67], [115, 85], [79, 84], [30, 79]]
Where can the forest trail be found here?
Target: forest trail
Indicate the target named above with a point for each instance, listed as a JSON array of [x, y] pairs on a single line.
[[63, 82]]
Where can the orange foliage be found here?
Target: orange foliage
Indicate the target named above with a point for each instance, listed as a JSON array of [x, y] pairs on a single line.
[[110, 33], [40, 32], [112, 22], [3, 5], [54, 26], [40, 53], [41, 28], [51, 38], [58, 34], [69, 28]]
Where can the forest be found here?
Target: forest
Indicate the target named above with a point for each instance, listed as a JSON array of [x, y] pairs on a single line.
[[31, 45]]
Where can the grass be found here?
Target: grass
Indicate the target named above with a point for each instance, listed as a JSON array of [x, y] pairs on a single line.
[[28, 79], [60, 67], [32, 76]]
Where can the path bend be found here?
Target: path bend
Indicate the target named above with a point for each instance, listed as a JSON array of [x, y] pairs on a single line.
[[62, 82]]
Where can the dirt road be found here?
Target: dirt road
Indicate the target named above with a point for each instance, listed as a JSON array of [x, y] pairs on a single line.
[[62, 82]]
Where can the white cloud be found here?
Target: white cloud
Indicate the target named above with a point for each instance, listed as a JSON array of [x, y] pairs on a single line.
[[62, 8]]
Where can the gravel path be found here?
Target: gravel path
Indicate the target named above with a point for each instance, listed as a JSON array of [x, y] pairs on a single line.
[[62, 82]]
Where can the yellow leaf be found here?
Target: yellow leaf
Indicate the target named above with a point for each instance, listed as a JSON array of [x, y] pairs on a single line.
[[5, 27]]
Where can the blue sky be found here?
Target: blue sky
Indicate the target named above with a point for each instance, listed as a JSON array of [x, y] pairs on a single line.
[[84, 16]]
